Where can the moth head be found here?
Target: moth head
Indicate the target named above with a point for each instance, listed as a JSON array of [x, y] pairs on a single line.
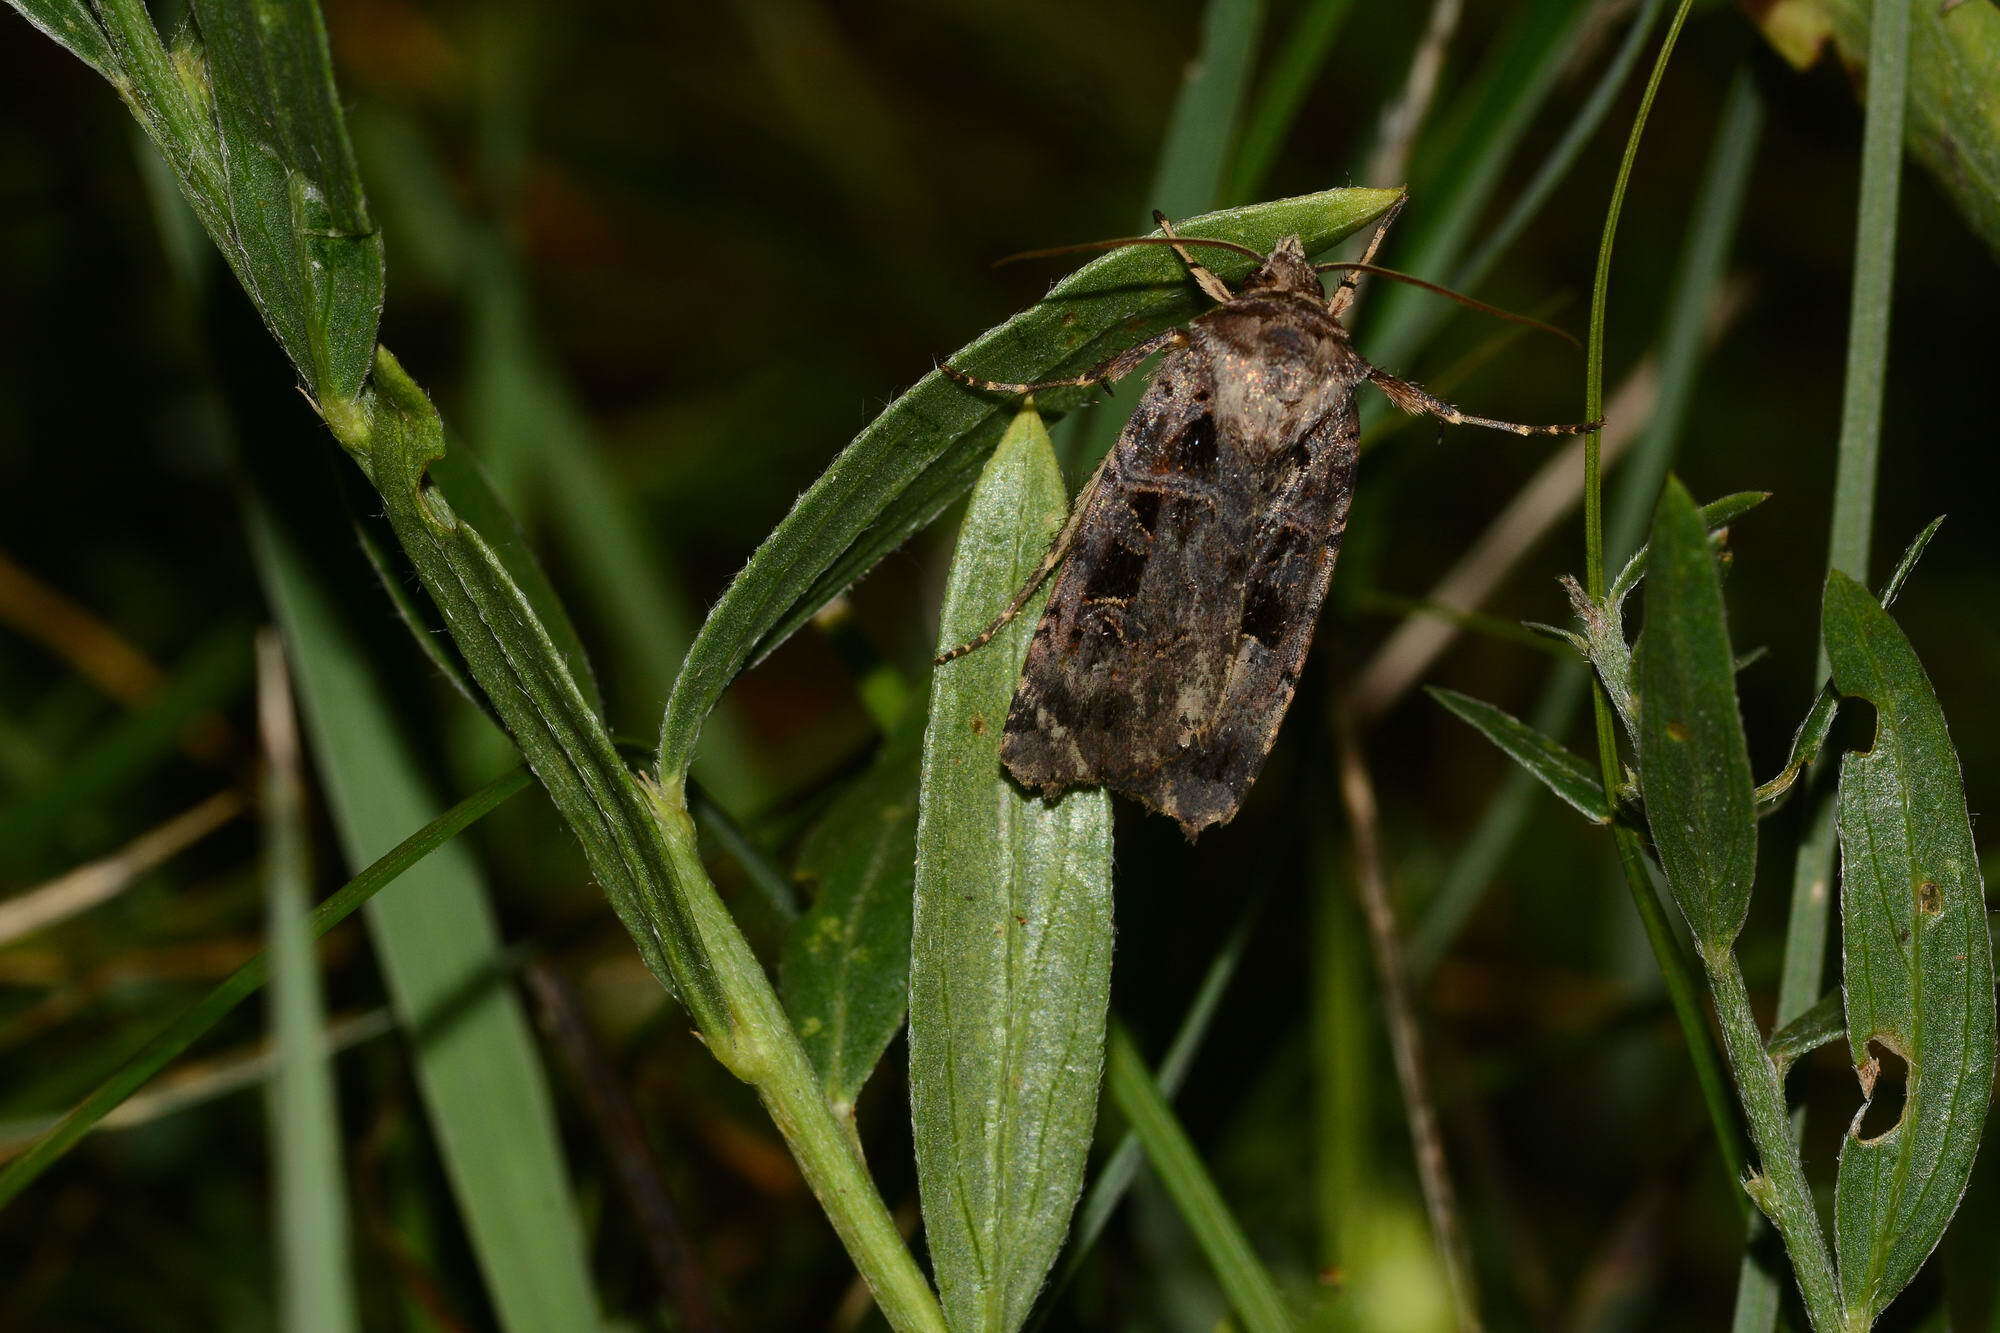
[[1285, 269]]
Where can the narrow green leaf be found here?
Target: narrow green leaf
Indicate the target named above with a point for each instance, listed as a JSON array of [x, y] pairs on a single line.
[[1295, 63], [482, 1081], [1562, 772], [184, 1031], [1821, 1025], [637, 838], [204, 679], [73, 25], [846, 966], [924, 450], [1715, 515], [1245, 1281], [1196, 150], [472, 496], [310, 255], [315, 1285], [517, 666], [1812, 732], [1010, 968], [1694, 765], [1580, 131], [1121, 1167], [1953, 121], [1477, 135], [1917, 960]]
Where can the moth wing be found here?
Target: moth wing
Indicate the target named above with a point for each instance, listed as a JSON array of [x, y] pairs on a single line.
[[1132, 653], [1289, 569]]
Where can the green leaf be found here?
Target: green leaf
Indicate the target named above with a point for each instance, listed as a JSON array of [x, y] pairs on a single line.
[[1953, 120], [1694, 765], [184, 1031], [1812, 732], [439, 944], [1715, 515], [307, 251], [923, 451], [517, 666], [74, 26], [846, 967], [1821, 1025], [1245, 1281], [316, 1285], [1010, 968], [1917, 960], [1295, 65], [207, 677], [1196, 150], [1562, 772]]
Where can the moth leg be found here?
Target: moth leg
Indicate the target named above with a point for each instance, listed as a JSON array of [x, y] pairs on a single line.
[[1116, 368], [1344, 294], [1060, 548], [1418, 401], [1216, 289]]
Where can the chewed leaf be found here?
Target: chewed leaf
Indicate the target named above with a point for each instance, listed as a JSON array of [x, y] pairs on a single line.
[[924, 450], [1917, 959], [1812, 732], [1694, 765], [1558, 769], [1010, 958]]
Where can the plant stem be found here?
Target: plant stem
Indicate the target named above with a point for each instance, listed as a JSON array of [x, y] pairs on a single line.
[[761, 1049], [1672, 959], [1780, 1187]]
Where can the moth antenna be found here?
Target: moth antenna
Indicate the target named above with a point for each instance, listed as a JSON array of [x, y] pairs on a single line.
[[1083, 246], [1460, 297]]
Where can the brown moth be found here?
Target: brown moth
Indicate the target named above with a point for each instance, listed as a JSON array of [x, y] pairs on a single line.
[[1195, 560]]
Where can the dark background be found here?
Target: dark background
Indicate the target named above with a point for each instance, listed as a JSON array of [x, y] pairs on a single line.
[[743, 229]]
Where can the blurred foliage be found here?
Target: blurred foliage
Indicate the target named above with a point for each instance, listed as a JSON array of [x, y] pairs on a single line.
[[732, 235]]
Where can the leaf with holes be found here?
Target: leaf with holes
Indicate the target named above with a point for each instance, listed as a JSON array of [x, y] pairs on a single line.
[[1694, 765], [1010, 955], [1918, 964]]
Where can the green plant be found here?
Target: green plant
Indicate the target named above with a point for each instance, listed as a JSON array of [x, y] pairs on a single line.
[[940, 887]]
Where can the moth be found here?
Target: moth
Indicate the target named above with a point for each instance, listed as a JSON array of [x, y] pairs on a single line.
[[1195, 560]]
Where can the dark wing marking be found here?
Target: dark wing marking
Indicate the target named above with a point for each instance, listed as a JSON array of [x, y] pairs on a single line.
[[1129, 660], [1290, 568]]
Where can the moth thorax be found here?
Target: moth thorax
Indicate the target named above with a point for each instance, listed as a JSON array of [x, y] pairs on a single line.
[[1286, 268]]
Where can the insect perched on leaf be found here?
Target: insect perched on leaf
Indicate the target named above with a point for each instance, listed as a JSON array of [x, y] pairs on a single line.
[[1195, 560]]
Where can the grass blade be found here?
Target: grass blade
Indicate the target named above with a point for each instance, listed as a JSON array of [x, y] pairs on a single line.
[[314, 1284], [1953, 124], [1918, 963], [1295, 64], [207, 677], [481, 1078], [1564, 773], [846, 966], [1010, 963], [1195, 152], [1694, 763], [1489, 119], [184, 1031], [1245, 1281], [924, 449]]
